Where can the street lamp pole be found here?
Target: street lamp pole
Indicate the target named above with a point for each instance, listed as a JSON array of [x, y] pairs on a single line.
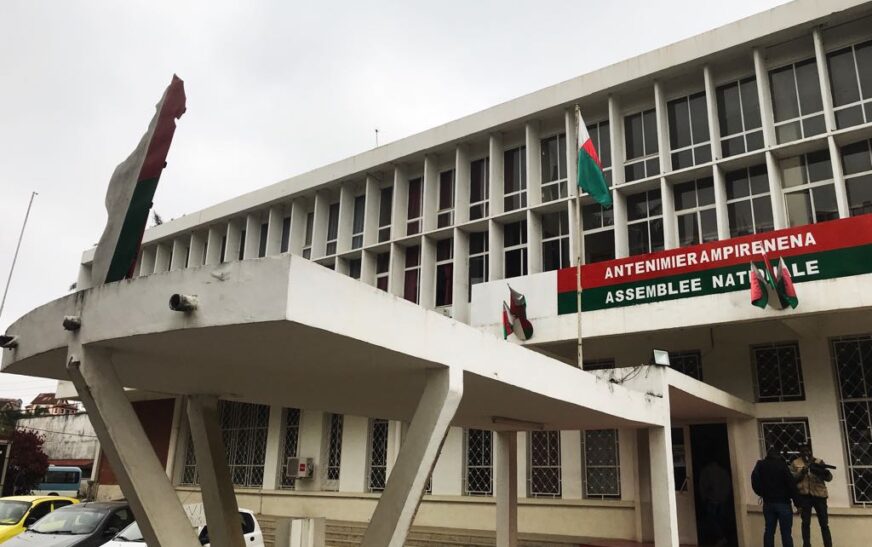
[[15, 256]]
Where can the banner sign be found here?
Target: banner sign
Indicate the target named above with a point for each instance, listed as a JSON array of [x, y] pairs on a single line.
[[827, 250]]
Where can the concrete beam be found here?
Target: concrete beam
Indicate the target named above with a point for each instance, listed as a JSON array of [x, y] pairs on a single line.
[[399, 502]]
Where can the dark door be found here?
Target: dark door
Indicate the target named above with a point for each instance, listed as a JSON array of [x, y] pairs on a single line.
[[712, 482]]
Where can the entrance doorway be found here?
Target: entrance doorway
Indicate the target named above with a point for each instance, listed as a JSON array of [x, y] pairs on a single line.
[[713, 486]]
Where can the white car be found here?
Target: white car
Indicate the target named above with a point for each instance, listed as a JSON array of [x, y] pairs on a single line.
[[250, 530]]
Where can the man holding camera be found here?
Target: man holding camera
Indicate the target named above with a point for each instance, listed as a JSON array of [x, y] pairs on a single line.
[[811, 476]]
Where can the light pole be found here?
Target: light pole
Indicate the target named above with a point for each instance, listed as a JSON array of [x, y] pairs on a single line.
[[15, 256]]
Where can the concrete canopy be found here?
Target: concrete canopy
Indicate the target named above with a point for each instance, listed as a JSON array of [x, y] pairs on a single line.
[[282, 330]]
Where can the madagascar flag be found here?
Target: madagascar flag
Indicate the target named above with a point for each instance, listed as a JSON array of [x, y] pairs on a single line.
[[590, 169], [518, 309], [507, 321], [131, 189], [786, 290]]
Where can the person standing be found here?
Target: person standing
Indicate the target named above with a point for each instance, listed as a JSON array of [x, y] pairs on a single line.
[[772, 481], [811, 480]]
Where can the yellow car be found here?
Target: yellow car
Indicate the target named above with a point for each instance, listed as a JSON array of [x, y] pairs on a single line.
[[19, 512]]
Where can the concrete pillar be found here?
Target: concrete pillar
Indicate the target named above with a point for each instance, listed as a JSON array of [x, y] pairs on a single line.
[[431, 192], [711, 104], [534, 242], [367, 267], [370, 216], [721, 209], [427, 291], [462, 174], [576, 236], [670, 223], [396, 273], [662, 130], [534, 163], [142, 478], [234, 240], [275, 437], [346, 216], [197, 249], [275, 224], [570, 464], [253, 225], [178, 410], [765, 99], [569, 124], [663, 487], [616, 135], [352, 467], [824, 78], [496, 172], [619, 208], [460, 283], [179, 258], [448, 471], [839, 178], [219, 499], [506, 488], [779, 213], [299, 212], [311, 442], [162, 256], [400, 209], [495, 250], [213, 245], [146, 263], [399, 502], [319, 225]]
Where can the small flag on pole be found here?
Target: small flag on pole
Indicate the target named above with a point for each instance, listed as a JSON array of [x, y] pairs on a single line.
[[590, 170], [521, 326], [772, 287], [786, 290]]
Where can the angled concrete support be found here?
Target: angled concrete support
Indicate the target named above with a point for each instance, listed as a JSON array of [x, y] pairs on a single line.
[[219, 499], [399, 502], [506, 490], [141, 476]]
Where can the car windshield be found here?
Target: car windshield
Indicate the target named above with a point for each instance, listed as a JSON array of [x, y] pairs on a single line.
[[69, 520], [131, 533], [12, 511]]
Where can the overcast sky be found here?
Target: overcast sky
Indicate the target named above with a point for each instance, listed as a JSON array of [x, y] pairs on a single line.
[[274, 89]]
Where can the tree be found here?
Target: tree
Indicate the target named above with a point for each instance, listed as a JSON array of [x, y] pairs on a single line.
[[27, 463]]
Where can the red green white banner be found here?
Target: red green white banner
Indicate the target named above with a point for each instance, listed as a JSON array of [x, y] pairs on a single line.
[[826, 250]]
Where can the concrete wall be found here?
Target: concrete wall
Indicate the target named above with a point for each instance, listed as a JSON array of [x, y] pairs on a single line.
[[69, 437]]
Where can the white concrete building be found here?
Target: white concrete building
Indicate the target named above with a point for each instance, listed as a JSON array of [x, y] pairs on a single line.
[[750, 138]]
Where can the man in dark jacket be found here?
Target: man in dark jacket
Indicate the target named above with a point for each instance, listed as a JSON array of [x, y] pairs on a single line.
[[772, 481], [812, 477]]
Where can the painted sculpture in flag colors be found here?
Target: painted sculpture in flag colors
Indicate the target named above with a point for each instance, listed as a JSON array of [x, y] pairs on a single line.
[[515, 317], [772, 286], [131, 190]]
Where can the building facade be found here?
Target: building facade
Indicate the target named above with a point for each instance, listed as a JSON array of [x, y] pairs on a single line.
[[759, 127]]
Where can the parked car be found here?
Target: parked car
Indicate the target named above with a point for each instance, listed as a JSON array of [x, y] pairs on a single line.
[[19, 512], [81, 525], [250, 529]]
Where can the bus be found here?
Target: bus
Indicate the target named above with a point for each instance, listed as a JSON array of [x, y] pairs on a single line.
[[60, 481]]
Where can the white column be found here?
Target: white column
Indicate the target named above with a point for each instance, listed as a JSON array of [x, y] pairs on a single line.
[[146, 262], [534, 163], [619, 207], [399, 502], [312, 436], [162, 256], [462, 174], [370, 216], [197, 249], [253, 224], [346, 217], [219, 499], [431, 192], [522, 462], [234, 240], [179, 255], [576, 235], [824, 79], [663, 487], [570, 464], [839, 178], [141, 476], [506, 488], [213, 245], [616, 134], [367, 267], [173, 444], [395, 443], [428, 274], [319, 224], [460, 274], [662, 129], [765, 99], [448, 471], [779, 213], [712, 110], [272, 464], [299, 212], [496, 172], [571, 151], [723, 215], [275, 224], [396, 272], [352, 467], [495, 250], [534, 242], [670, 223], [400, 213]]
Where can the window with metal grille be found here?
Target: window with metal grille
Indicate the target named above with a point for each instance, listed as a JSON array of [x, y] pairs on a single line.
[[783, 434], [515, 178], [334, 452], [601, 464], [478, 188], [689, 136], [515, 249], [749, 207], [332, 229], [382, 270], [599, 233], [642, 151], [852, 359], [357, 222], [544, 454], [386, 202], [290, 441], [796, 101], [695, 211], [413, 213], [478, 259], [809, 190], [478, 463], [189, 474], [555, 240], [777, 372], [857, 164], [851, 84], [445, 213], [412, 277], [645, 222], [739, 117], [378, 454], [687, 362], [307, 242], [444, 271], [554, 175]]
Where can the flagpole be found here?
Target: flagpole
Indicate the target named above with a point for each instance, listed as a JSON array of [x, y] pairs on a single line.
[[578, 245], [15, 256]]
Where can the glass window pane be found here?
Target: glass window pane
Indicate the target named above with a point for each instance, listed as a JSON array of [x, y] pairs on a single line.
[[637, 236], [847, 117], [814, 126], [685, 195], [860, 195], [478, 242], [656, 228], [605, 144], [792, 172], [637, 206], [633, 136], [551, 225], [863, 53], [819, 166], [825, 205], [599, 246], [741, 221], [516, 262], [679, 123], [550, 162], [843, 77], [759, 179], [709, 220], [737, 184], [733, 146], [788, 132], [683, 159], [652, 167], [705, 191], [798, 208], [635, 171], [655, 206], [699, 119], [688, 233], [763, 214], [809, 87], [702, 154], [783, 88], [729, 110], [550, 255], [750, 103], [650, 121], [754, 140], [856, 158]]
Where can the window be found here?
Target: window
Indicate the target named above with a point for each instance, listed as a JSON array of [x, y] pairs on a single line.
[[241, 245], [689, 136], [478, 189], [554, 174], [857, 163], [334, 452], [307, 245], [515, 247], [601, 464], [332, 229], [354, 266], [645, 222], [378, 454], [796, 101], [478, 464], [739, 117], [696, 213], [478, 259], [748, 204], [386, 200], [413, 218], [382, 270], [640, 135], [687, 362], [444, 271], [853, 362], [291, 442], [851, 84], [555, 241], [809, 191], [599, 233], [412, 277], [39, 511], [357, 222], [261, 247], [777, 373], [784, 434], [515, 178], [286, 234], [601, 138], [445, 214], [545, 477]]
